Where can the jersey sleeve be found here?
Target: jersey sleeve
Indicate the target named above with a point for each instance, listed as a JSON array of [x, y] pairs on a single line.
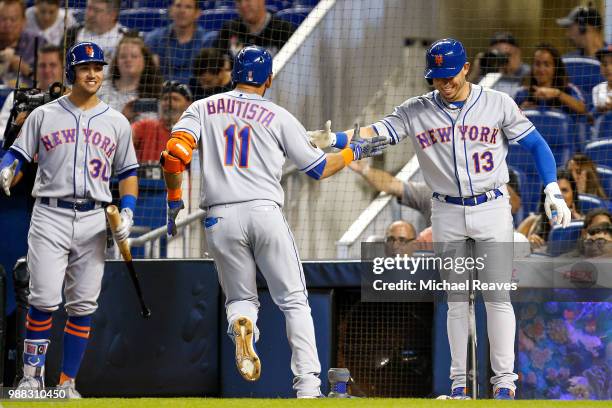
[[515, 124], [125, 156], [394, 125], [294, 141], [27, 142], [190, 122]]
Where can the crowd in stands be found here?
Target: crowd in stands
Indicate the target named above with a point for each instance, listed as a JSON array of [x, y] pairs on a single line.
[[154, 74]]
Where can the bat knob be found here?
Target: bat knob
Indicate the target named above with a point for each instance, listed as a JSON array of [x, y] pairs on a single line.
[[146, 313]]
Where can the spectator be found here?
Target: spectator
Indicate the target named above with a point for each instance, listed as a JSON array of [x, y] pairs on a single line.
[[399, 239], [598, 241], [602, 93], [585, 173], [584, 29], [536, 227], [15, 42], [46, 19], [416, 194], [548, 86], [212, 74], [151, 135], [49, 69], [593, 218], [255, 26], [133, 75], [501, 68], [101, 27], [177, 44]]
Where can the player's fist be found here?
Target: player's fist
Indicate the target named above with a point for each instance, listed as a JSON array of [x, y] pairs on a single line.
[[322, 138], [124, 229], [173, 209], [555, 206], [6, 177]]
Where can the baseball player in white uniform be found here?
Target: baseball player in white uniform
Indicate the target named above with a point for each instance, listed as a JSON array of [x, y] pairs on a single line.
[[243, 141], [460, 133], [78, 142]]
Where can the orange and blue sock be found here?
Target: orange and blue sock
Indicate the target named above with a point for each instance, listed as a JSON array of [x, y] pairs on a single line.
[[38, 331], [38, 324], [76, 336]]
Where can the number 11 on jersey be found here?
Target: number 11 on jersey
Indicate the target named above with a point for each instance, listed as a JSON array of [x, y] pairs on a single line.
[[244, 134]]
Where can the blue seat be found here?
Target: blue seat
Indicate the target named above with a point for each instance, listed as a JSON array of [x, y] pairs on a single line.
[[584, 72], [600, 151], [522, 185], [305, 3], [4, 93], [554, 127], [294, 15], [561, 240], [603, 126], [144, 19], [605, 177], [589, 202], [213, 20], [521, 160]]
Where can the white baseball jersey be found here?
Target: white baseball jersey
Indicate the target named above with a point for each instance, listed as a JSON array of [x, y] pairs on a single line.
[[462, 151], [244, 140], [77, 150]]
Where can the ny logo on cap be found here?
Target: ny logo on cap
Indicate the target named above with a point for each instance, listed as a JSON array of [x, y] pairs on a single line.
[[439, 59], [89, 51]]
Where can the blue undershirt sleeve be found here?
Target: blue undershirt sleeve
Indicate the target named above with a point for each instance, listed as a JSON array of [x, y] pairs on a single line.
[[317, 171], [544, 159]]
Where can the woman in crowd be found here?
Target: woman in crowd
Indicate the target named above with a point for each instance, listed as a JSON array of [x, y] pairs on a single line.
[[537, 227], [548, 86], [46, 18], [584, 172], [133, 76]]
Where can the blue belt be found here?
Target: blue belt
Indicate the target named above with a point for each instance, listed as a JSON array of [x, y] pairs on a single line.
[[469, 201], [71, 205]]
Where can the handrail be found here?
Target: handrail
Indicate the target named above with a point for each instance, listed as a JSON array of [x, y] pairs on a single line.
[[161, 231]]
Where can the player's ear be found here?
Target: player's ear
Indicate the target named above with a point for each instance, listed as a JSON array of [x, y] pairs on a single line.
[[268, 82], [466, 68]]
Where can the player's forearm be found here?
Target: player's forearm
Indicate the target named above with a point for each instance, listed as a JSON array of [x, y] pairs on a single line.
[[173, 180], [334, 163], [383, 181], [128, 186]]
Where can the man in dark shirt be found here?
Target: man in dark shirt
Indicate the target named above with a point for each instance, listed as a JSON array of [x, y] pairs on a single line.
[[212, 73], [255, 26]]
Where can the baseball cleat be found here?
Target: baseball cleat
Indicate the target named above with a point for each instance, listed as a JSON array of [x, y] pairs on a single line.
[[247, 361], [459, 393], [503, 394], [29, 383], [69, 387]]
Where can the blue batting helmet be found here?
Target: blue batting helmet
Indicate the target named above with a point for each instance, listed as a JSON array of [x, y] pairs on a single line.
[[444, 59], [82, 53], [252, 65]]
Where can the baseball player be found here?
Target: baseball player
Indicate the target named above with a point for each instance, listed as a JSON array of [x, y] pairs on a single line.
[[460, 133], [78, 141], [243, 140]]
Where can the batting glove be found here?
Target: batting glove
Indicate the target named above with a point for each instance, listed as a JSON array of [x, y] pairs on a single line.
[[173, 209], [363, 148], [325, 138], [555, 206], [6, 177], [127, 221]]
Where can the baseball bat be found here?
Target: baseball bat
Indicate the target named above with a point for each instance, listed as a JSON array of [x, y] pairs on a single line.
[[114, 219], [472, 365]]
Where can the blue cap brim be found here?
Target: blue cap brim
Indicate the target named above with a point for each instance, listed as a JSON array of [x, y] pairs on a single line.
[[441, 72]]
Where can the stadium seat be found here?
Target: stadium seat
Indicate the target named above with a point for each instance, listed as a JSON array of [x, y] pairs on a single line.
[[603, 126], [4, 93], [294, 15], [561, 240], [144, 19], [584, 72], [213, 20], [605, 177], [522, 162], [600, 151], [554, 126], [522, 183], [305, 3], [589, 202]]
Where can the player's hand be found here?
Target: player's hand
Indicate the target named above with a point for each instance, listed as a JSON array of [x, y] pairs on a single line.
[[363, 148], [127, 221], [173, 209], [6, 177], [322, 138], [556, 209], [536, 241]]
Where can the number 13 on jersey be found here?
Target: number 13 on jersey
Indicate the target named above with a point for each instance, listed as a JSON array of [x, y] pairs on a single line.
[[244, 134], [483, 161]]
